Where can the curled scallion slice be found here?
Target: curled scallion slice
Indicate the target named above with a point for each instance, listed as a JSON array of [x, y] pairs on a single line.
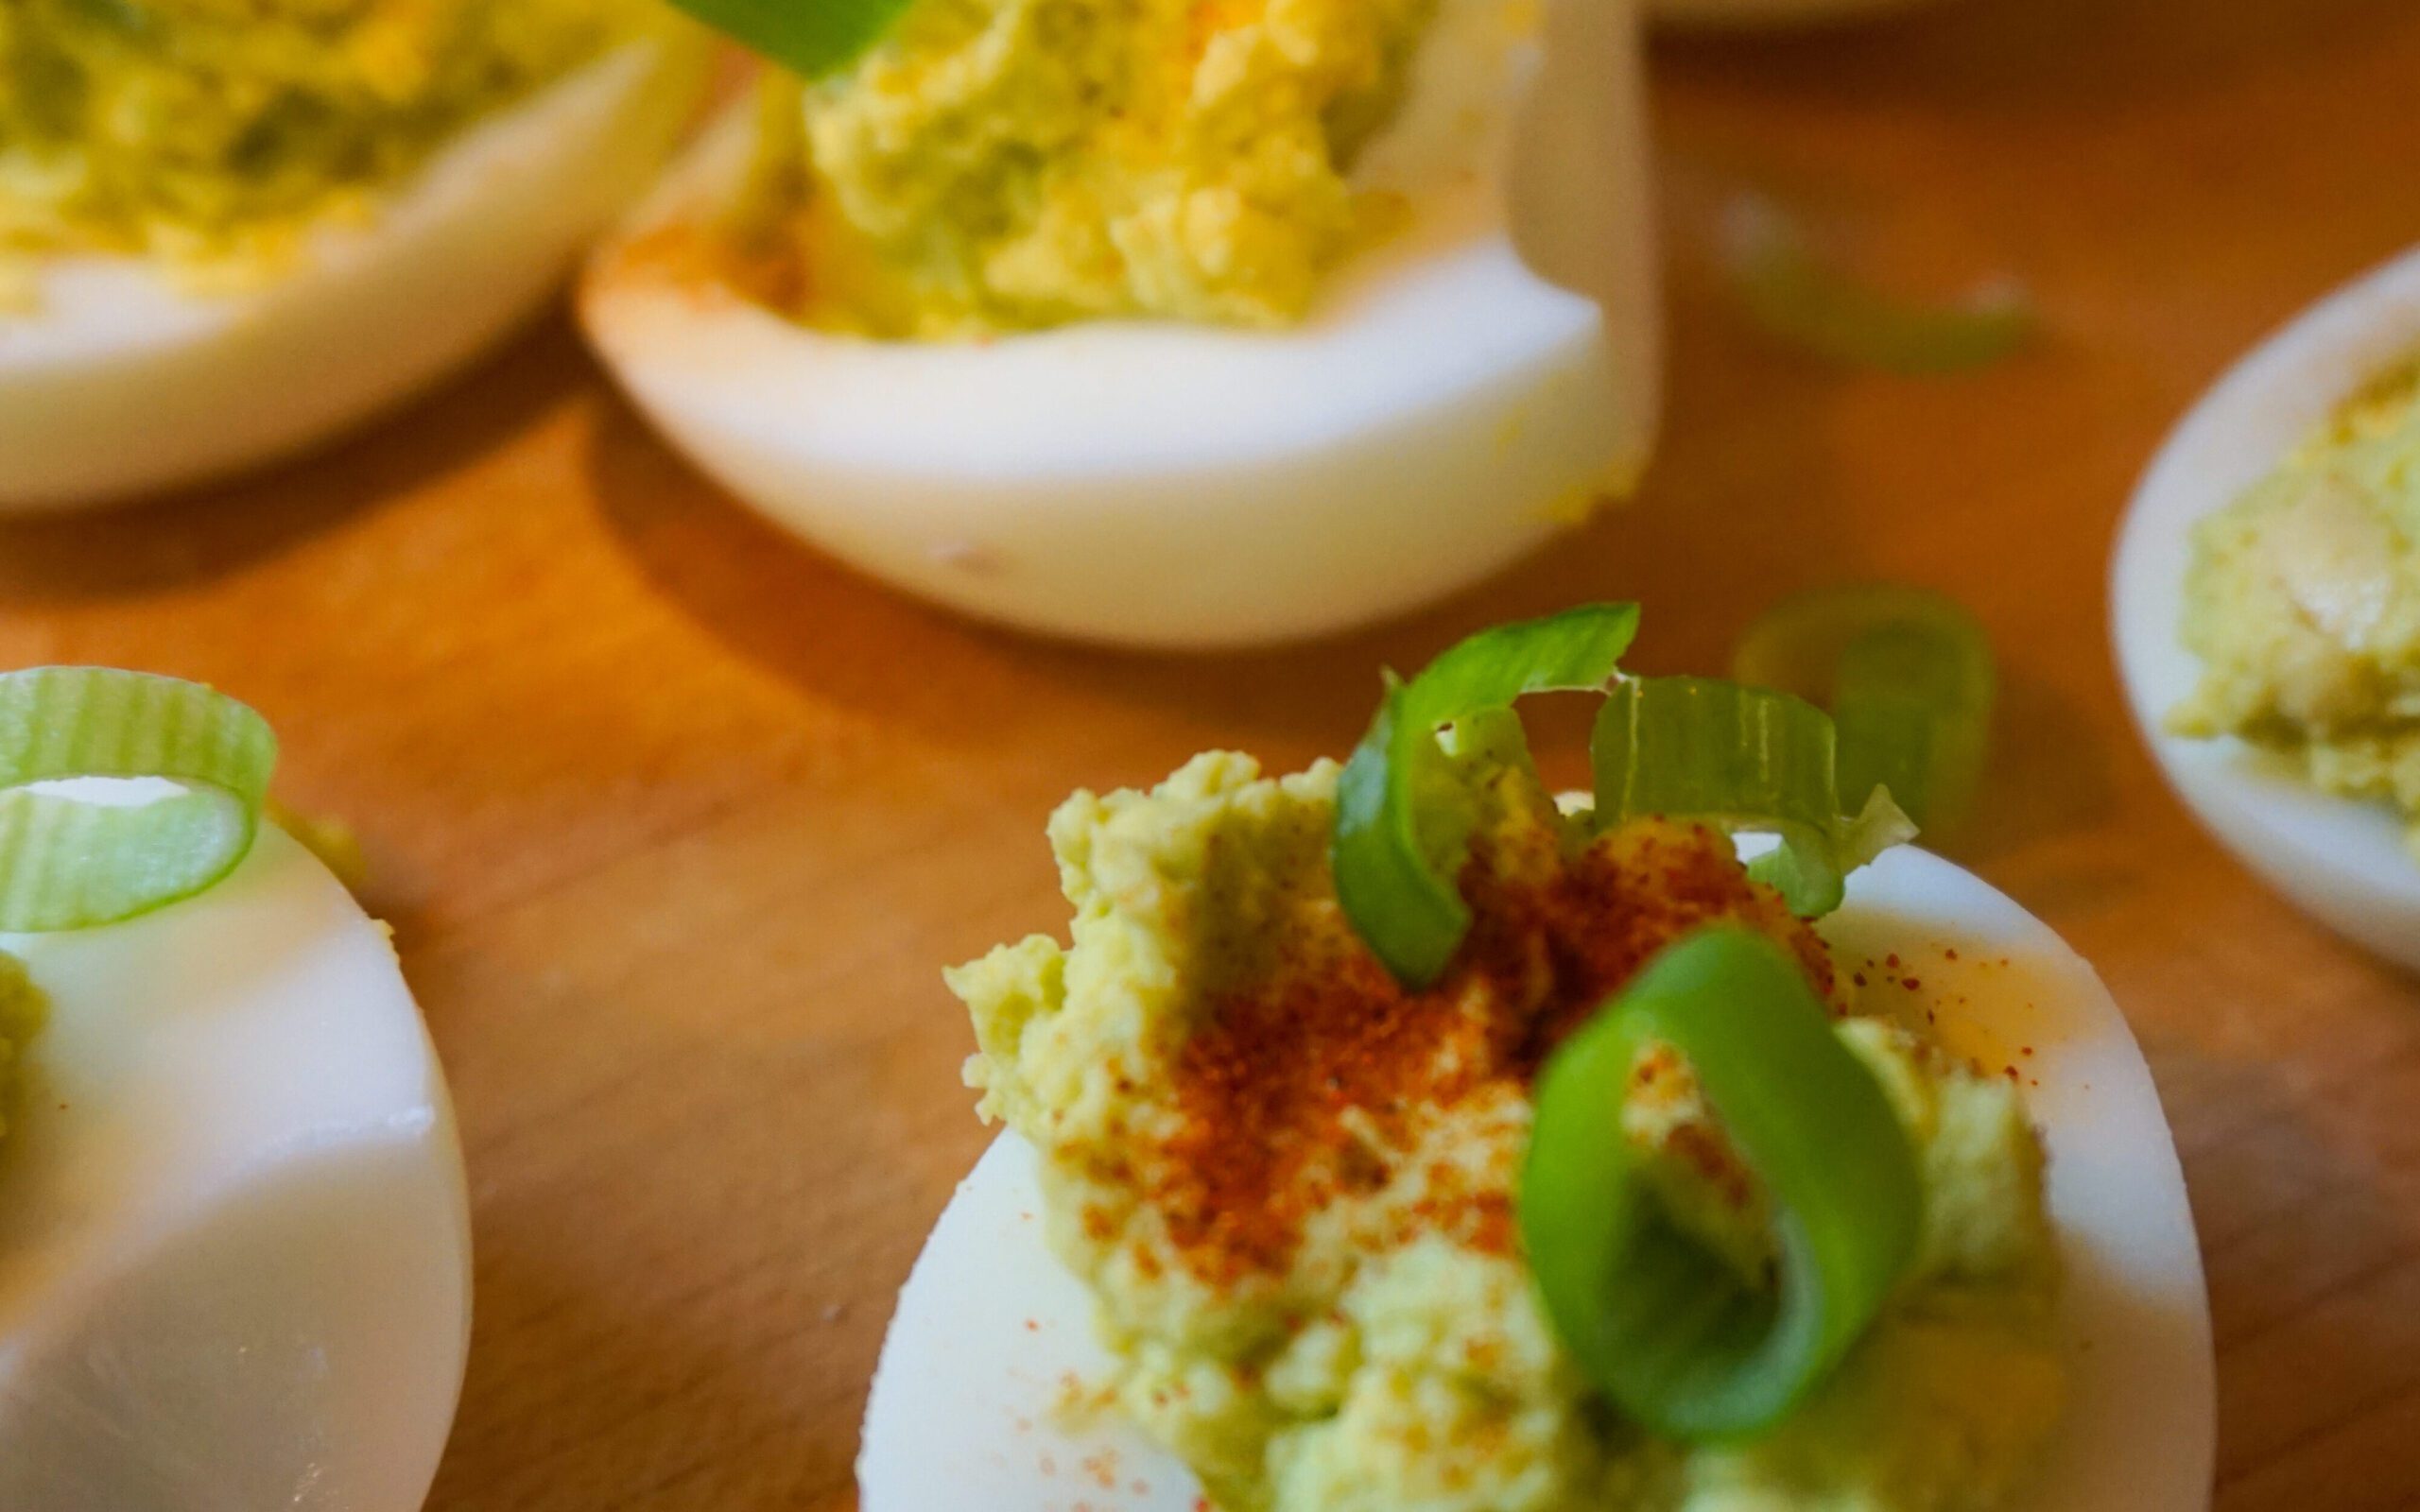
[[1789, 290], [1908, 675], [1745, 761], [1668, 1331], [1397, 853], [72, 856], [810, 38]]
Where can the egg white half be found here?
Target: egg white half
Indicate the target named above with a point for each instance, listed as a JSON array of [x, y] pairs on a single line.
[[234, 1240], [118, 382], [990, 1327], [1455, 398], [2341, 861]]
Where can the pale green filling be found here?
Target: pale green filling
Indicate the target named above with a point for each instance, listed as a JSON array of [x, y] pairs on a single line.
[[2303, 601], [23, 1008], [1384, 1374], [210, 132], [999, 165]]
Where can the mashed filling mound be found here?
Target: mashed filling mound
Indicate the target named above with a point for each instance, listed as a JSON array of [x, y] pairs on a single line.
[[999, 165], [2303, 601], [1290, 1184], [213, 132]]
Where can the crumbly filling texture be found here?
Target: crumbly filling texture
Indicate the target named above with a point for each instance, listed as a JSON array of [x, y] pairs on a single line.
[[1001, 165], [1290, 1184], [2303, 602], [212, 133]]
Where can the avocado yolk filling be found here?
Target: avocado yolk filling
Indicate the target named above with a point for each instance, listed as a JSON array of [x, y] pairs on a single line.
[[2303, 601], [1290, 1184], [999, 165], [213, 132]]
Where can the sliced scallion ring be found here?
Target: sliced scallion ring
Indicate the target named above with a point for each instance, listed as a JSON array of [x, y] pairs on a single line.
[[1670, 1331], [810, 38], [1398, 849], [1908, 675], [72, 857], [1743, 760], [1791, 291]]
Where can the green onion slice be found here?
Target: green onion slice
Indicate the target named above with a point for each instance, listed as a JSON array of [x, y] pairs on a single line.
[[72, 860], [1793, 293], [1398, 846], [810, 38], [1909, 678], [1670, 1333], [1743, 760]]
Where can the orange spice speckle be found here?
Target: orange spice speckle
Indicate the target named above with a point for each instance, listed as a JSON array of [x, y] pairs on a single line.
[[1313, 1084]]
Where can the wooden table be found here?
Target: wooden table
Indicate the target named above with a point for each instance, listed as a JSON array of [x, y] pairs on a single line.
[[677, 822]]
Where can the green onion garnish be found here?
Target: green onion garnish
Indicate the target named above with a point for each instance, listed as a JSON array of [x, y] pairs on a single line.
[[1793, 293], [1670, 1331], [1909, 678], [810, 38], [75, 859], [1398, 849], [1743, 760]]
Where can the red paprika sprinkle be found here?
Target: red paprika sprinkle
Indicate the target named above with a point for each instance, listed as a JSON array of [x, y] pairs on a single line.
[[1318, 1079]]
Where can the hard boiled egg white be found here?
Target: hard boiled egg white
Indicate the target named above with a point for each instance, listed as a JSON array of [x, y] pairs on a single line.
[[2343, 861], [990, 1329], [235, 1245], [118, 381], [1456, 398]]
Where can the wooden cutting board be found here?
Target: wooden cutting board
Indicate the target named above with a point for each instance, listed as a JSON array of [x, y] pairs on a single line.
[[677, 821]]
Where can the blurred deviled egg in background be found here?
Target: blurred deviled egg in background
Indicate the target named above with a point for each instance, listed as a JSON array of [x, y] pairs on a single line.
[[2268, 610], [234, 1240], [1159, 324], [227, 231]]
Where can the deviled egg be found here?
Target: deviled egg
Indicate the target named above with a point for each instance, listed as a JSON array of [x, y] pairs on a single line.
[[234, 1240], [2267, 610], [229, 232], [1164, 324], [1394, 1135]]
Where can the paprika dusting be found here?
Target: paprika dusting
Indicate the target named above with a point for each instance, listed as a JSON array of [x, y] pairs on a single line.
[[1319, 1082], [1287, 1185]]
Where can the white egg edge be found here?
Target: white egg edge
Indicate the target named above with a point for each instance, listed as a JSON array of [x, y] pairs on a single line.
[[118, 383], [248, 1057], [964, 1393], [1065, 484], [2339, 860]]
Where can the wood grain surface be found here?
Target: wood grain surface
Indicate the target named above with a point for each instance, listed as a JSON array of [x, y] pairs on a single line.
[[677, 821]]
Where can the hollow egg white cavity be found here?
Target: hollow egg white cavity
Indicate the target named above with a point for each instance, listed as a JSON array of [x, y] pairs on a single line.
[[1456, 396], [117, 381], [2343, 861], [990, 1330], [234, 1240]]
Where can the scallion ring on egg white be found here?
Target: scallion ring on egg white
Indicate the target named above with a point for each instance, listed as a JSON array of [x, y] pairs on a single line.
[[72, 856]]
